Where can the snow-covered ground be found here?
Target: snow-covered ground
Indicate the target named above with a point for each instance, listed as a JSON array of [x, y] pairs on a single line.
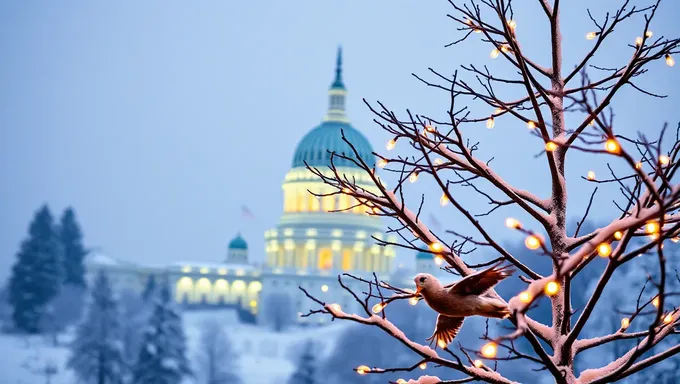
[[264, 355]]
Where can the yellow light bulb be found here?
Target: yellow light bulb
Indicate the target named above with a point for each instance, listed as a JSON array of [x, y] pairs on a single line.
[[591, 175], [604, 250], [336, 307], [490, 123], [592, 122], [512, 24], [591, 35], [625, 323], [413, 177], [413, 301], [489, 350], [655, 302], [390, 144], [422, 365], [652, 227], [532, 242], [477, 30], [531, 124], [550, 146], [512, 223], [638, 165], [638, 41], [441, 343], [444, 200], [430, 128], [438, 161], [505, 48], [438, 260], [612, 146], [436, 247], [664, 160], [382, 163], [668, 319], [552, 288], [618, 235], [324, 288], [363, 369], [525, 297], [378, 307], [649, 34], [494, 53], [670, 61], [478, 363]]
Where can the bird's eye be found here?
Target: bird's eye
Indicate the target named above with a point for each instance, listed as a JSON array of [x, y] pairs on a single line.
[[422, 279]]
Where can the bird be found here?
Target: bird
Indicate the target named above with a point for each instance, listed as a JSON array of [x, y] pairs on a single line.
[[466, 297]]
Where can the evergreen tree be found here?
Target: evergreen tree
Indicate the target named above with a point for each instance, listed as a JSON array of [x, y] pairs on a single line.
[[149, 288], [37, 274], [162, 356], [97, 351], [74, 253], [217, 362], [306, 370]]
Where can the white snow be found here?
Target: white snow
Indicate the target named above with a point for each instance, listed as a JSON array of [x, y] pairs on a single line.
[[25, 357]]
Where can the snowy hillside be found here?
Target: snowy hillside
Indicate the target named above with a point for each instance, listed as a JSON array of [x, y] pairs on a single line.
[[264, 354]]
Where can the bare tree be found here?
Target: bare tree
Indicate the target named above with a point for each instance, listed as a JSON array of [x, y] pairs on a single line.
[[642, 170], [216, 358]]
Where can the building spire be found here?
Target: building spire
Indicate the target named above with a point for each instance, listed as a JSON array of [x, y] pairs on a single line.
[[336, 94]]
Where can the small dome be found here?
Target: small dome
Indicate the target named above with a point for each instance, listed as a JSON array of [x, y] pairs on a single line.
[[423, 256], [313, 148], [238, 243]]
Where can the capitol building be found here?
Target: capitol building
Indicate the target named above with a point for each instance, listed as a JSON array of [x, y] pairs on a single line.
[[309, 247]]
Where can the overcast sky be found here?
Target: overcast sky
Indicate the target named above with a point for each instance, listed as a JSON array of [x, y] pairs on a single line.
[[158, 120]]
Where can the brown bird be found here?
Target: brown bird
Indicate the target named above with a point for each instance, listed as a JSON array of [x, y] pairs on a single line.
[[466, 297]]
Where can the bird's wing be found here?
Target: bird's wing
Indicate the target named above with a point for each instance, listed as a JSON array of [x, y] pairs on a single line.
[[446, 329], [480, 282]]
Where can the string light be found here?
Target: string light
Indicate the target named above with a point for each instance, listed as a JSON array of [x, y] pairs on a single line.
[[638, 41], [512, 24], [401, 381], [612, 146], [430, 128], [336, 307], [489, 350], [478, 363], [591, 175], [438, 260], [378, 307], [423, 365], [552, 288], [505, 48], [363, 369], [413, 301], [668, 319], [670, 61], [512, 223], [498, 111], [652, 227], [390, 144], [494, 53], [638, 165], [413, 177], [625, 323], [664, 160], [550, 146], [345, 190], [604, 250], [525, 297], [655, 302], [441, 343], [591, 35], [532, 242], [438, 161], [382, 163], [592, 122], [490, 123], [436, 247], [444, 200], [618, 235], [531, 124]]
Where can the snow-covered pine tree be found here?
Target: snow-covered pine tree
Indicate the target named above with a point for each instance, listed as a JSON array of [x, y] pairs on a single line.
[[97, 351], [306, 370], [135, 315], [74, 252], [217, 362], [37, 274], [149, 288], [162, 355]]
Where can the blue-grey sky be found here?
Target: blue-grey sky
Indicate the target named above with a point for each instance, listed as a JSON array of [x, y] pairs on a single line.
[[157, 120]]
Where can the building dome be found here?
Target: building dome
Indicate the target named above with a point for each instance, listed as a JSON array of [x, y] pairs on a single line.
[[314, 149], [423, 256], [238, 243]]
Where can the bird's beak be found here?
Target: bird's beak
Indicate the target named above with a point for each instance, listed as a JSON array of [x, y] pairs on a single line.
[[418, 289]]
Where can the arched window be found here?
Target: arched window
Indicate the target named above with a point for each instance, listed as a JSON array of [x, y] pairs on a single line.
[[184, 290], [221, 291], [238, 292], [203, 291], [325, 259]]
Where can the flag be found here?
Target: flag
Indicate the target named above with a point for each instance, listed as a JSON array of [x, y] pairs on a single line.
[[246, 213]]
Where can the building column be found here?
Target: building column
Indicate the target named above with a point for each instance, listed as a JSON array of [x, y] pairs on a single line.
[[336, 249]]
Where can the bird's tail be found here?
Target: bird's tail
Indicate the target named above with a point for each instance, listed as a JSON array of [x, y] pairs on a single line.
[[497, 309]]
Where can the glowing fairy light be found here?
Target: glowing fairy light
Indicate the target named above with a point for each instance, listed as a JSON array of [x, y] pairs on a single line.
[[612, 146], [604, 250], [505, 48], [638, 165], [552, 288], [336, 307], [668, 319], [490, 123], [625, 323], [532, 242], [525, 297], [652, 227], [422, 365], [444, 200], [436, 247], [592, 122], [441, 343], [494, 53], [478, 363], [591, 175], [618, 235], [551, 146], [324, 288], [438, 161], [402, 381], [638, 41], [670, 61], [664, 160], [413, 301], [390, 144], [414, 177], [512, 24], [378, 307], [438, 260], [649, 34], [382, 163], [531, 124], [675, 239], [591, 35], [489, 350], [363, 369], [655, 302], [512, 223], [430, 128]]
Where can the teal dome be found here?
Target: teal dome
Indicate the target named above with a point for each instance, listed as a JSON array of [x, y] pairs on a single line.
[[238, 243], [423, 256], [315, 146]]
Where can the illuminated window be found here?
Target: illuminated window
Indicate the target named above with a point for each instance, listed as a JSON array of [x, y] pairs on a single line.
[[221, 291], [184, 290], [347, 259], [301, 257], [203, 291], [204, 270], [328, 203], [238, 292], [358, 208], [343, 202], [222, 271], [325, 258], [300, 201], [186, 269], [313, 203], [281, 257]]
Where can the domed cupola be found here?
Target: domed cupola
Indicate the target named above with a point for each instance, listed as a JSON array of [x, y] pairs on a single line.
[[237, 251], [314, 149]]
